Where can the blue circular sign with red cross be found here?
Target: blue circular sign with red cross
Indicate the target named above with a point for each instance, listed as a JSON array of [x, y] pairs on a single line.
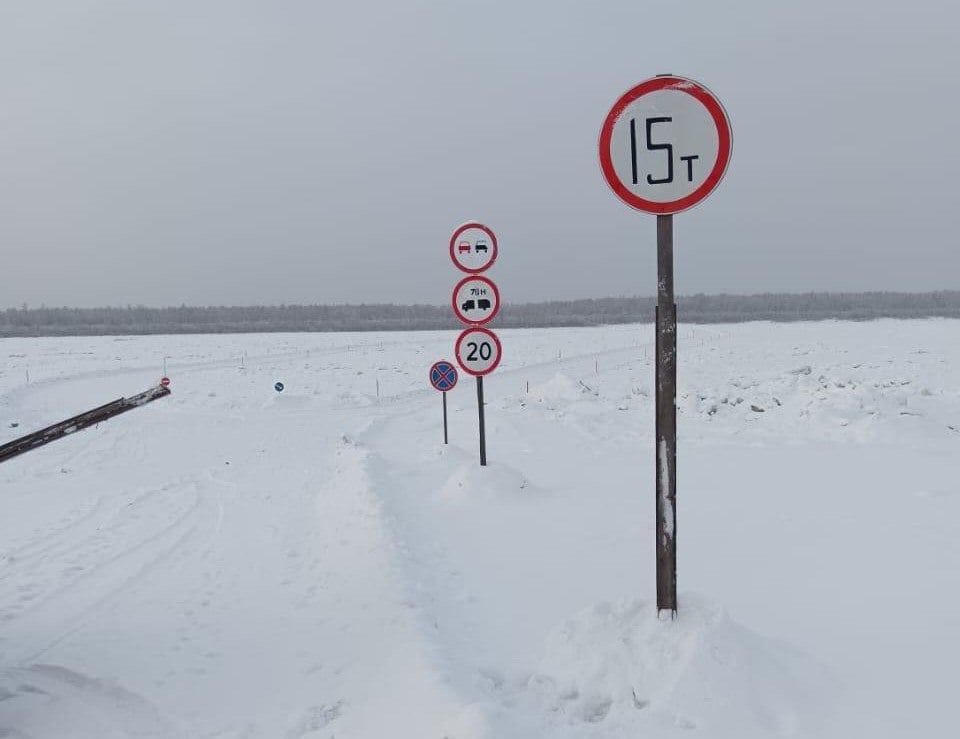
[[443, 376]]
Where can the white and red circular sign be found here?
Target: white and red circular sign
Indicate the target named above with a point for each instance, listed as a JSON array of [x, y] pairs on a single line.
[[665, 145], [165, 381], [473, 248], [476, 300], [478, 351]]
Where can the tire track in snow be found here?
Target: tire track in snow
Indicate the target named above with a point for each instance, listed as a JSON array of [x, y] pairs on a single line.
[[66, 599]]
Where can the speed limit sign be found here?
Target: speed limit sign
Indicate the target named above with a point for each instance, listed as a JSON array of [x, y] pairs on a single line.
[[478, 351], [665, 145]]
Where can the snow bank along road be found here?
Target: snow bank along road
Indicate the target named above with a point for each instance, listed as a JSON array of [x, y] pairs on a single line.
[[229, 562]]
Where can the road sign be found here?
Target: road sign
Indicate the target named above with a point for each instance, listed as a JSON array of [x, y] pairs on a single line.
[[476, 300], [473, 248], [165, 381], [278, 387], [478, 351], [443, 376], [665, 145]]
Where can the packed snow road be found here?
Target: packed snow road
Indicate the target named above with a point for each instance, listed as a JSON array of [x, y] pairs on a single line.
[[234, 562]]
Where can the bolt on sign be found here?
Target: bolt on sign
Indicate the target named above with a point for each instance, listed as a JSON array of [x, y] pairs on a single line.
[[664, 147]]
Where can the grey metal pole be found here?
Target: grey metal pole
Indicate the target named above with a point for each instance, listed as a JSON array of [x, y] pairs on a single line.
[[483, 431], [445, 417], [666, 424]]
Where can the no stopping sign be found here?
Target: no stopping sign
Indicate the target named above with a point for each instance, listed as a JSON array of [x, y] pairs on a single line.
[[443, 376]]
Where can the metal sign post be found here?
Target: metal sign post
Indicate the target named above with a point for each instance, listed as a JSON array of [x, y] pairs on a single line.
[[665, 146], [476, 301], [443, 377], [666, 423], [478, 352], [483, 425], [446, 438]]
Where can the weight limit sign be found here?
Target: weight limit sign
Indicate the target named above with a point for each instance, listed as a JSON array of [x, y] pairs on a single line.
[[665, 145]]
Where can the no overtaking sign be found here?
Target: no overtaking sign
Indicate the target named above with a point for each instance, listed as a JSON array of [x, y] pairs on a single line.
[[473, 248]]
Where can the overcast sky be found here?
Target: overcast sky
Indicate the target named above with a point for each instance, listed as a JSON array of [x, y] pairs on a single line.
[[285, 151]]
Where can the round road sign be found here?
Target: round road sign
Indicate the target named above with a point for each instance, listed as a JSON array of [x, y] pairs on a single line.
[[476, 300], [473, 248], [478, 351], [443, 376], [165, 381], [278, 386], [665, 145]]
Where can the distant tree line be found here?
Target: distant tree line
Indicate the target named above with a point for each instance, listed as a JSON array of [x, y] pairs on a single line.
[[383, 317]]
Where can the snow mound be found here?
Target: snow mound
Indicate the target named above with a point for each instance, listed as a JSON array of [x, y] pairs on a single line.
[[559, 388], [622, 665], [470, 481], [292, 401], [50, 700], [353, 399]]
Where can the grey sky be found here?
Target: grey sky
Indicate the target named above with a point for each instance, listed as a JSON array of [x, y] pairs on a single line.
[[235, 152]]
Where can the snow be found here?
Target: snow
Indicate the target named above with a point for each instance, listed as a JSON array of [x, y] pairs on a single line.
[[665, 503], [233, 562]]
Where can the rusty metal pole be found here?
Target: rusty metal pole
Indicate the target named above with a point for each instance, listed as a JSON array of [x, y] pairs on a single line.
[[79, 422], [666, 424]]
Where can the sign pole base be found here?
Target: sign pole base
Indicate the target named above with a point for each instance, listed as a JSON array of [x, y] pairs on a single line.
[[483, 431], [666, 424]]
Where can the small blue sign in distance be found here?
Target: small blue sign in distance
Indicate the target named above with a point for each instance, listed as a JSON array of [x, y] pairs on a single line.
[[443, 376], [278, 387]]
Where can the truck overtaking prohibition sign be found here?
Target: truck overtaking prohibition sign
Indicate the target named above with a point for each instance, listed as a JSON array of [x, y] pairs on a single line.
[[665, 145], [476, 300]]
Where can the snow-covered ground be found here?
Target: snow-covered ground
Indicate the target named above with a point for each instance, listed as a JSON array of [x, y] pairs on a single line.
[[229, 562]]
